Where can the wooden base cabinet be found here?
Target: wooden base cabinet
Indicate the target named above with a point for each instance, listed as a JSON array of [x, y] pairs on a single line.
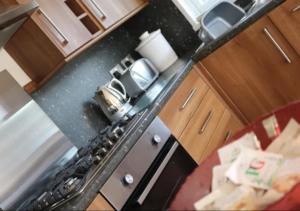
[[100, 204], [228, 125], [202, 125], [287, 20], [181, 107], [205, 123], [258, 70]]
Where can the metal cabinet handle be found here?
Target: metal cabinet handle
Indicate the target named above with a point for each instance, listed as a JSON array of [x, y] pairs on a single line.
[[295, 9], [279, 48], [206, 122], [66, 41], [188, 99], [227, 136], [102, 13]]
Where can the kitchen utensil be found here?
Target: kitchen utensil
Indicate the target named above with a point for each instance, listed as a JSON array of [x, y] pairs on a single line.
[[139, 76], [113, 100], [156, 48]]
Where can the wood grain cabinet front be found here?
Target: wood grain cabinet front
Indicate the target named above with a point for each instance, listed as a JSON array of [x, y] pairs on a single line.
[[198, 117], [61, 25], [180, 108], [62, 29], [228, 125], [110, 12], [32, 49], [258, 70], [197, 135], [287, 19], [100, 204]]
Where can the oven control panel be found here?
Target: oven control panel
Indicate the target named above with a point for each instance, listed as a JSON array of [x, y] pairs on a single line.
[[121, 184]]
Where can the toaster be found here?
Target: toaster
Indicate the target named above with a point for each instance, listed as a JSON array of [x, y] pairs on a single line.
[[139, 76]]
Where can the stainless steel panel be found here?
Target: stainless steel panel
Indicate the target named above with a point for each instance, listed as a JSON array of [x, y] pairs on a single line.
[[136, 163], [32, 148]]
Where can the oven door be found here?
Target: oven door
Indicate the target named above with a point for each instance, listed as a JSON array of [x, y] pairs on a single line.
[[163, 179]]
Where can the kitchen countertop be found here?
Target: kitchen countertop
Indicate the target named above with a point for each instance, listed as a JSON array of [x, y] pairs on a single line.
[[153, 101]]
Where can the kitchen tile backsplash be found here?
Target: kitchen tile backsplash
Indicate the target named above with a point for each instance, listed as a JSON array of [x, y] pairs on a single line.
[[67, 97]]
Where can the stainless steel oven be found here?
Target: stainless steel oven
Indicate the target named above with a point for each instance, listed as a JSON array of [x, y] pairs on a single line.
[[151, 173]]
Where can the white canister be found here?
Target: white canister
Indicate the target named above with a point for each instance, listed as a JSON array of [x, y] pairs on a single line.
[[156, 48]]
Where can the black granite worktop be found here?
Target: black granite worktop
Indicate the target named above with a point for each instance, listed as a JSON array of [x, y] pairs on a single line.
[[153, 101]]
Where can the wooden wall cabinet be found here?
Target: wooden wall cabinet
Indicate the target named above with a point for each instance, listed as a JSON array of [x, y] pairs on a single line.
[[198, 117], [35, 53], [110, 12], [60, 30], [61, 25], [258, 70], [287, 20]]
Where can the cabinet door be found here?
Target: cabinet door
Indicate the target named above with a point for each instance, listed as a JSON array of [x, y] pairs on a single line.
[[34, 52], [228, 126], [287, 19], [258, 70], [196, 136], [184, 102], [100, 204], [109, 12], [61, 25]]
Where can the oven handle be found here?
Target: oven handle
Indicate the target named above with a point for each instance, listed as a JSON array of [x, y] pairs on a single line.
[[155, 177]]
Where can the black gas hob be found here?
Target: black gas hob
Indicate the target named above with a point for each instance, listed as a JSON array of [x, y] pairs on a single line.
[[81, 171]]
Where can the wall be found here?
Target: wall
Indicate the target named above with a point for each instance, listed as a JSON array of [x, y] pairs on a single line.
[[68, 97], [6, 62]]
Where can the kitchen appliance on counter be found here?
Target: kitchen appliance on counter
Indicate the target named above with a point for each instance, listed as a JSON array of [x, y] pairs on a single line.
[[151, 173], [32, 148], [12, 16], [157, 49], [113, 100], [139, 76]]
